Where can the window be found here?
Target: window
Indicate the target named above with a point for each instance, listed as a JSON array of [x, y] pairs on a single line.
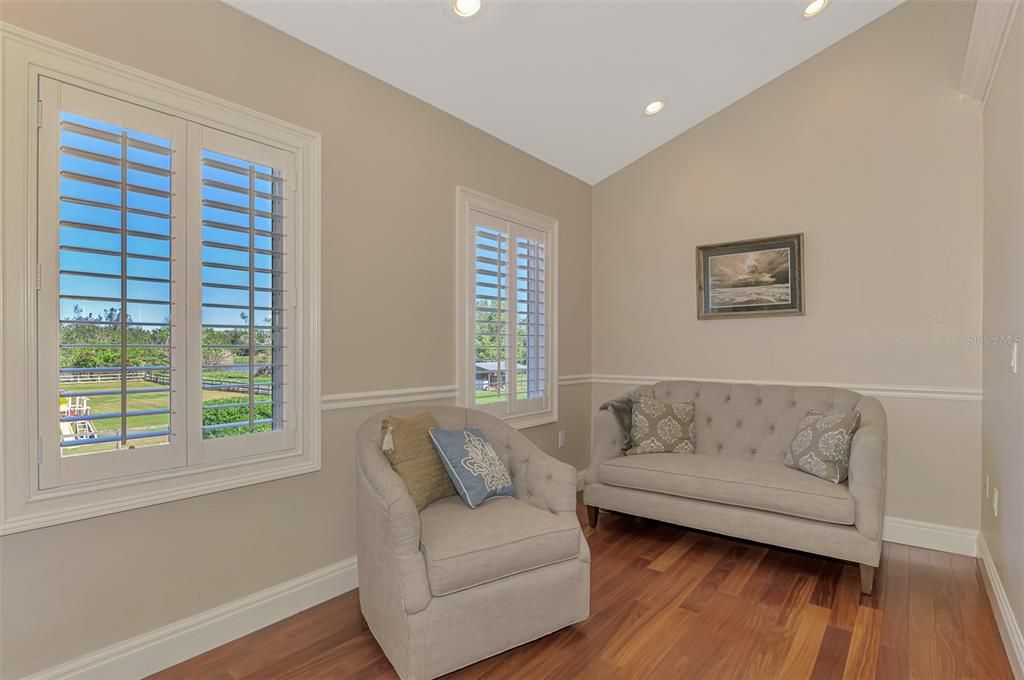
[[172, 239], [507, 321]]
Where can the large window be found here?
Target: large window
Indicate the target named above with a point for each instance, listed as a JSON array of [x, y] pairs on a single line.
[[507, 323], [172, 244]]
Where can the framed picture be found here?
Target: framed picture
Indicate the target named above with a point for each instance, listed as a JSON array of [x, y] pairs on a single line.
[[758, 277]]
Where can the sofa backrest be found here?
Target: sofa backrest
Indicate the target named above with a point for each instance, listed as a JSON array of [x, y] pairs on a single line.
[[754, 423]]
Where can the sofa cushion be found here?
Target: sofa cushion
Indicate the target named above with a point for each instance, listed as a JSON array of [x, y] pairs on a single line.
[[659, 427], [464, 547], [774, 488], [821, 446]]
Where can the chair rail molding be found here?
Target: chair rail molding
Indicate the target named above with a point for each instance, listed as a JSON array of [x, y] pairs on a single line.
[[331, 402], [992, 21], [884, 391]]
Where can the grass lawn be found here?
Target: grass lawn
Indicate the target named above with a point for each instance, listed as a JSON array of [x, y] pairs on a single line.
[[493, 396], [111, 403]]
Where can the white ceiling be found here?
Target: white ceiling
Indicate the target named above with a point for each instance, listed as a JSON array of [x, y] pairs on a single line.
[[568, 81]]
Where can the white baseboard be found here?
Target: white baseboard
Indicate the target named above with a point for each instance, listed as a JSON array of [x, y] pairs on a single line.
[[1009, 628], [153, 651], [933, 536]]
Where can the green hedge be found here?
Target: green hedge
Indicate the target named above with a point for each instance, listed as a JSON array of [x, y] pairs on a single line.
[[218, 416]]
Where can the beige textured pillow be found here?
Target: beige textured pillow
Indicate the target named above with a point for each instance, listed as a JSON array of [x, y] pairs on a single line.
[[821, 446], [409, 449], [659, 427]]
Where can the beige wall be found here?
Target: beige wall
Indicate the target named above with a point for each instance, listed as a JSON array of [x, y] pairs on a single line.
[[390, 167], [1002, 431], [869, 149]]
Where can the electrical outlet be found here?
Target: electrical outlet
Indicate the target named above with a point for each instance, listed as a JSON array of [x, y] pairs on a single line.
[[995, 502], [561, 439], [986, 485]]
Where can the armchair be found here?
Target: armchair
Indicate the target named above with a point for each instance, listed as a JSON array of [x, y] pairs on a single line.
[[449, 586]]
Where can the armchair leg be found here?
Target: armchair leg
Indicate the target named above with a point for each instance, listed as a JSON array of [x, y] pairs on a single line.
[[592, 516], [867, 579]]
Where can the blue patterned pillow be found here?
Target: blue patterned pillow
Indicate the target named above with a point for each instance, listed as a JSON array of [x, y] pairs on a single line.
[[476, 470]]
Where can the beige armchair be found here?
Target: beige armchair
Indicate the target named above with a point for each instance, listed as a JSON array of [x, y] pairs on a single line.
[[449, 586]]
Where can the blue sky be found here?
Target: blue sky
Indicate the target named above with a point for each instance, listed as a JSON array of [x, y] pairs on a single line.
[[153, 296]]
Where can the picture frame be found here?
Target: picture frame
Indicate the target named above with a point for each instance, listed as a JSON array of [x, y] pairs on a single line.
[[751, 278]]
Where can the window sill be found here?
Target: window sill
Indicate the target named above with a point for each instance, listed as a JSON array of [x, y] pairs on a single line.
[[69, 504], [524, 422]]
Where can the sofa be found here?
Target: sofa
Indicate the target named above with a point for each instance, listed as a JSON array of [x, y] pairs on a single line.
[[450, 585], [735, 483]]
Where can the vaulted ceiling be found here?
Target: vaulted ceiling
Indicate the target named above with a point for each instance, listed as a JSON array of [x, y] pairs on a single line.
[[568, 81]]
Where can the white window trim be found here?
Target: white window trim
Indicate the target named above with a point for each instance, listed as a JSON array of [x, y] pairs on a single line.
[[465, 292], [23, 55]]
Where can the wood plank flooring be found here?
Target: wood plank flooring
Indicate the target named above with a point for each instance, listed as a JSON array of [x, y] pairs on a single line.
[[671, 603]]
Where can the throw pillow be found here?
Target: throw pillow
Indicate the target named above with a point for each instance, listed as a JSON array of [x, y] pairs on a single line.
[[659, 427], [821, 446], [479, 474], [410, 451]]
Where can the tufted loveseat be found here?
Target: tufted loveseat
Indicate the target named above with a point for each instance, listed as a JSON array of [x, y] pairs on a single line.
[[736, 484], [450, 585]]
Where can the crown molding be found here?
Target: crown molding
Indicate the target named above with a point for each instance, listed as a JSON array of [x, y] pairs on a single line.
[[992, 22]]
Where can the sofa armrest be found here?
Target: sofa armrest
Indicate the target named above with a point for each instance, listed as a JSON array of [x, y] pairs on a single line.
[[606, 442], [387, 528], [867, 468], [541, 480]]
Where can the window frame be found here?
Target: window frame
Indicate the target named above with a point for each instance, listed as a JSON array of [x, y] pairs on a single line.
[[466, 202], [24, 57]]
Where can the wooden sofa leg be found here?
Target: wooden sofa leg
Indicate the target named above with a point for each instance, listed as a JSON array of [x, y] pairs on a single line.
[[592, 516], [867, 579]]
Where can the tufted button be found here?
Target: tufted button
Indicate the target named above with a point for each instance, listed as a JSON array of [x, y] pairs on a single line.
[[709, 420], [792, 404], [753, 452], [728, 397], [739, 424], [719, 447], [771, 428], [759, 400], [696, 394]]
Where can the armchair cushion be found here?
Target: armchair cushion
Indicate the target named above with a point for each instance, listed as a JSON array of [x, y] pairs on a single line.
[[465, 547], [408, 448], [475, 469]]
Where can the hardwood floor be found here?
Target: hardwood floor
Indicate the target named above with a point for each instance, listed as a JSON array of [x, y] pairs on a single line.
[[671, 603]]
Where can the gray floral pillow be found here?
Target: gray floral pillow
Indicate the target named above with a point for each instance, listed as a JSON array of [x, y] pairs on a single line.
[[658, 427], [821, 446]]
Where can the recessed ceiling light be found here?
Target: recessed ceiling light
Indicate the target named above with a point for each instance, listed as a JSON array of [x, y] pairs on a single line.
[[466, 8], [654, 107], [814, 8]]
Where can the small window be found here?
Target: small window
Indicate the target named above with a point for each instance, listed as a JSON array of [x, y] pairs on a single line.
[[506, 354]]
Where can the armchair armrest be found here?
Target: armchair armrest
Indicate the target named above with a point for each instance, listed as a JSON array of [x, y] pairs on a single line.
[[542, 481], [867, 468], [387, 527]]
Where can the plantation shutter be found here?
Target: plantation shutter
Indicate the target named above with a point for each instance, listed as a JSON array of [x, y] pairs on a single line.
[[510, 362], [531, 318], [108, 200], [246, 310]]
